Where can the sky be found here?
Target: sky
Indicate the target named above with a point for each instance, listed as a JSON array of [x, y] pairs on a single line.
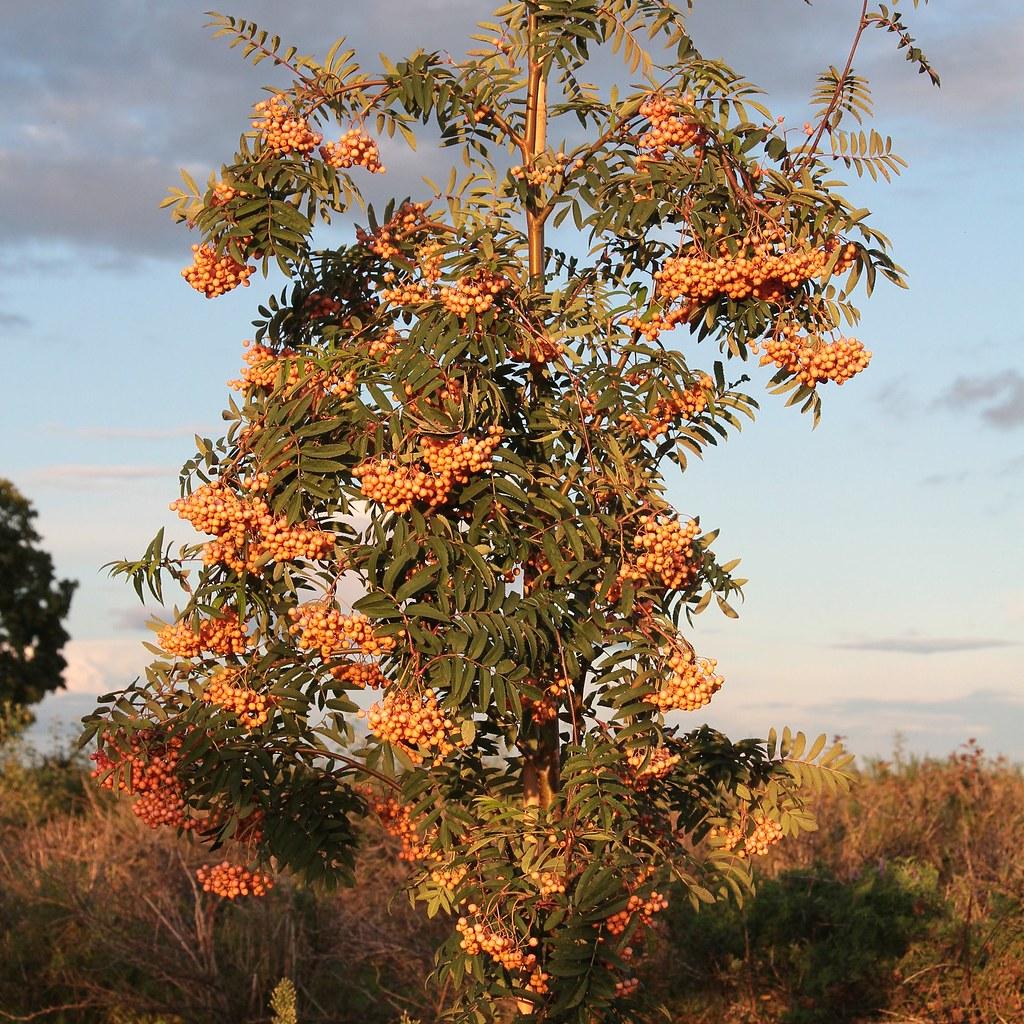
[[886, 591]]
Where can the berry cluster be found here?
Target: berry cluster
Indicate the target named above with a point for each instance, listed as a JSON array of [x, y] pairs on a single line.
[[339, 387], [537, 350], [320, 306], [500, 946], [265, 368], [222, 193], [459, 459], [359, 675], [408, 220], [764, 272], [665, 549], [282, 131], [546, 709], [812, 360], [668, 130], [473, 293], [410, 294], [430, 257], [383, 347], [146, 769], [724, 838], [642, 907], [648, 765], [549, 883], [320, 626], [450, 390], [249, 829], [449, 877], [659, 320], [159, 807], [248, 535], [214, 275], [221, 635], [215, 509], [538, 982], [354, 149], [543, 170], [538, 564], [229, 881], [766, 833], [679, 406], [396, 820], [399, 486], [691, 685], [257, 482], [251, 707], [215, 827], [413, 722]]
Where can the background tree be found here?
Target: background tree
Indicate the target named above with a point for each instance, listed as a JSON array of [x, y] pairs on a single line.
[[33, 606], [461, 428]]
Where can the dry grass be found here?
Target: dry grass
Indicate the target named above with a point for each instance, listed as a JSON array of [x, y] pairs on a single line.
[[908, 905], [103, 915]]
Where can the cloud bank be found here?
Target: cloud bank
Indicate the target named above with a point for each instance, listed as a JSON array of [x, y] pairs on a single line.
[[997, 399], [925, 644], [103, 112]]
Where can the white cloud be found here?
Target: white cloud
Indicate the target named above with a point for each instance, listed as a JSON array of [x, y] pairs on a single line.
[[107, 663], [998, 398], [117, 139], [874, 727], [85, 475], [925, 644], [131, 433]]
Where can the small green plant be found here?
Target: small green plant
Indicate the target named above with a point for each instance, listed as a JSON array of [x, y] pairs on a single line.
[[282, 1002], [14, 720]]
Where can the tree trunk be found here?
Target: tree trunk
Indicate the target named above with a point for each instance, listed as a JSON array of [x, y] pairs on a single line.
[[541, 773]]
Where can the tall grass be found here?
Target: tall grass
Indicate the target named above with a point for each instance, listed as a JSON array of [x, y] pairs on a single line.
[[907, 905]]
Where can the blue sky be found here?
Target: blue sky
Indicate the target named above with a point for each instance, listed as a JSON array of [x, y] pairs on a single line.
[[883, 548]]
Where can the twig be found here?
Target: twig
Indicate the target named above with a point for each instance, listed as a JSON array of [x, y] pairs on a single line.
[[834, 102], [351, 762], [43, 1013]]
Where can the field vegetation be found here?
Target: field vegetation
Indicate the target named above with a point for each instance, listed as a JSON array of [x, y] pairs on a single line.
[[907, 905]]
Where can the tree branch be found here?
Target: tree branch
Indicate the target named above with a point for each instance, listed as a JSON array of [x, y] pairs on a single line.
[[808, 154]]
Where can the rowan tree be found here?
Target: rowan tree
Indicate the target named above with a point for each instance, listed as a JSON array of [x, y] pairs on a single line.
[[444, 584], [33, 606]]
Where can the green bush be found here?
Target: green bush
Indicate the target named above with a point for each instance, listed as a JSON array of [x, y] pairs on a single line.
[[827, 947]]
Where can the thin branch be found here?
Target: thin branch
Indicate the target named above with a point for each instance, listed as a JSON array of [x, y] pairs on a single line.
[[808, 154], [350, 762], [247, 40], [4, 1015], [513, 136]]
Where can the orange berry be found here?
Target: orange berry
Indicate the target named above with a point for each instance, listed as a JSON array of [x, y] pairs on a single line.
[[354, 149], [214, 275], [282, 131], [230, 881]]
